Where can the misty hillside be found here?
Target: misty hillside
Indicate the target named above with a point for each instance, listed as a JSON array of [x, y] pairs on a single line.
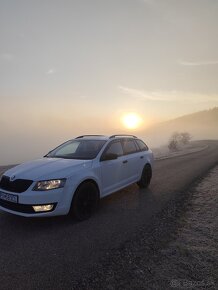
[[201, 125]]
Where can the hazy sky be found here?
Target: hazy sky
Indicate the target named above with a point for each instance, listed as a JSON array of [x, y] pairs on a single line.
[[76, 66]]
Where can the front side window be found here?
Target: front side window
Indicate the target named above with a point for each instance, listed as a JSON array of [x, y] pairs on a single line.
[[129, 146], [77, 149]]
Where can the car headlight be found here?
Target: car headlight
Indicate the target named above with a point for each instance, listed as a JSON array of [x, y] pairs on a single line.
[[49, 184]]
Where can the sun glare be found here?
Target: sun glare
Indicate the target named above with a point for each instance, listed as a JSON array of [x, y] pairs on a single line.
[[131, 120]]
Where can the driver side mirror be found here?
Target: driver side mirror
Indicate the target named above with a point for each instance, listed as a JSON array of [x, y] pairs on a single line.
[[109, 156]]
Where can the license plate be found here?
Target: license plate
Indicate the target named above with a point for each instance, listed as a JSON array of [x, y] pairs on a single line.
[[8, 197]]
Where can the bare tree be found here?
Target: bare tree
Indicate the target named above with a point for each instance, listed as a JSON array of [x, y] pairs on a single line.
[[173, 145], [178, 139], [174, 142], [185, 138]]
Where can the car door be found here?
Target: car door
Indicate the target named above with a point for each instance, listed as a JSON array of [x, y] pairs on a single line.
[[112, 171], [132, 159], [142, 154]]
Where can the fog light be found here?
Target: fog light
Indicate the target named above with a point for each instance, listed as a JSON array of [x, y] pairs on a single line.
[[45, 207]]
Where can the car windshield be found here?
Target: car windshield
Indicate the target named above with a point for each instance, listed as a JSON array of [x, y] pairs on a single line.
[[77, 149]]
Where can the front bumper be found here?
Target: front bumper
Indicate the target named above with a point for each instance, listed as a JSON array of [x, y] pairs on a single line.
[[26, 201], [22, 208]]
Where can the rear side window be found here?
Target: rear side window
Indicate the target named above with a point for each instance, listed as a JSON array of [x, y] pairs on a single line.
[[129, 146], [142, 145], [115, 148]]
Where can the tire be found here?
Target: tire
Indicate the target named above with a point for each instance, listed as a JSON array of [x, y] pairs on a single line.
[[145, 177], [85, 201]]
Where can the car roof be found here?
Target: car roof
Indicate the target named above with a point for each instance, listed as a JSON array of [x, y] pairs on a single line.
[[103, 137]]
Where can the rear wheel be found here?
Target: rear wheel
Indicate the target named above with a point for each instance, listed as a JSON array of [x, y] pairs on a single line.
[[145, 177], [85, 201]]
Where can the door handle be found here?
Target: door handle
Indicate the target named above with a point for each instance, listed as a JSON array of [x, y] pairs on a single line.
[[141, 157], [125, 161]]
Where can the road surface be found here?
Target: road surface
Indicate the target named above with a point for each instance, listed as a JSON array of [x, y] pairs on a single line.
[[51, 253]]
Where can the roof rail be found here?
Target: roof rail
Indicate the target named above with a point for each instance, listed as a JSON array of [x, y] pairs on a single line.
[[124, 135], [89, 136]]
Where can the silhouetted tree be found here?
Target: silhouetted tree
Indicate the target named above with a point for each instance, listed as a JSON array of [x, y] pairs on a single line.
[[177, 139], [185, 138], [173, 145]]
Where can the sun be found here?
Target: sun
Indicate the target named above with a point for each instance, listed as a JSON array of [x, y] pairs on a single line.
[[131, 120]]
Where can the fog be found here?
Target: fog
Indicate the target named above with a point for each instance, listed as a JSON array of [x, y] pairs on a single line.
[[19, 144], [201, 125]]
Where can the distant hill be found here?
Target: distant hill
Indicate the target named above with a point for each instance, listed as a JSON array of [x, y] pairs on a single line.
[[201, 125]]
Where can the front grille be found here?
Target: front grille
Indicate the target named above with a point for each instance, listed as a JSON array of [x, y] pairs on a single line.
[[18, 185], [24, 208]]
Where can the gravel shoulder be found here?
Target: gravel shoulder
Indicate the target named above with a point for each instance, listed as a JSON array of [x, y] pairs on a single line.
[[178, 250]]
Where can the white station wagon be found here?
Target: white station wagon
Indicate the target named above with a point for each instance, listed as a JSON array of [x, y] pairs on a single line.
[[74, 176]]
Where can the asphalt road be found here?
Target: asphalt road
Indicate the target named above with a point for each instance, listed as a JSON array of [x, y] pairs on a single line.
[[52, 253]]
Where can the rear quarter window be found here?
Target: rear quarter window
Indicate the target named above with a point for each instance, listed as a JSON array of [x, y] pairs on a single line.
[[142, 145]]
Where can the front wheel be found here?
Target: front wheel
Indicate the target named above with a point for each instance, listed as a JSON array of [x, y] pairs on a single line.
[[85, 201], [145, 177]]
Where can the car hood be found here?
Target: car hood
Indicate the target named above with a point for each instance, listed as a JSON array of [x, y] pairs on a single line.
[[47, 168]]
